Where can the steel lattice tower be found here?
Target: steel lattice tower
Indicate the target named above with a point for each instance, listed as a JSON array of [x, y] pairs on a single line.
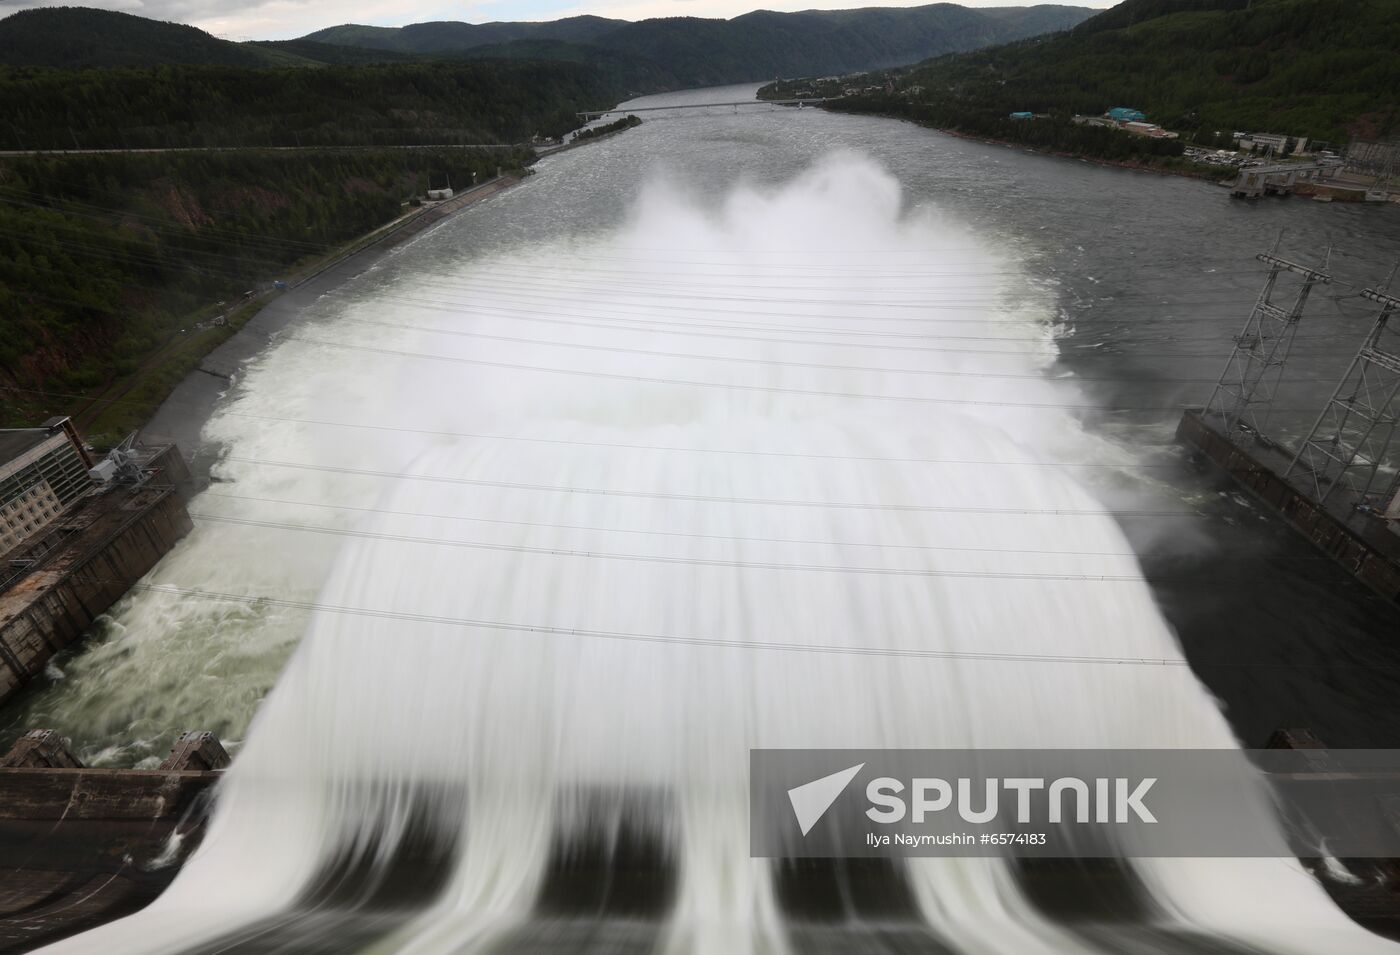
[[1243, 395], [1353, 434]]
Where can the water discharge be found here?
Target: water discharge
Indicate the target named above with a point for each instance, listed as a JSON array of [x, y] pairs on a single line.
[[709, 481]]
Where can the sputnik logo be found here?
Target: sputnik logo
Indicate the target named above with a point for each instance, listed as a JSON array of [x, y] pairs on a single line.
[[810, 801]]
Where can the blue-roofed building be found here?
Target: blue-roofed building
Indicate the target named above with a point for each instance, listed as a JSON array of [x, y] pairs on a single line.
[[1023, 115], [1125, 114]]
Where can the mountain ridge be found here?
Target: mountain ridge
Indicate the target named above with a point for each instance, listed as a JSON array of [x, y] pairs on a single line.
[[752, 46]]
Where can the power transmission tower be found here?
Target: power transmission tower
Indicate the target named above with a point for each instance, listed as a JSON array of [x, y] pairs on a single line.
[[1243, 395], [1352, 436]]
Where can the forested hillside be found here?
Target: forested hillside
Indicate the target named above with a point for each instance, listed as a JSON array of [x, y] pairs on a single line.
[[81, 37], [105, 259], [310, 53], [629, 75], [109, 259], [480, 101], [1327, 69]]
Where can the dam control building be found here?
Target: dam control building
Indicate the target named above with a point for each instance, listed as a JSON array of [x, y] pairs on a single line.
[[75, 536], [43, 471]]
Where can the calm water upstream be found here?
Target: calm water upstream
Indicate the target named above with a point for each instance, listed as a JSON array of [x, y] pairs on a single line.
[[526, 494]]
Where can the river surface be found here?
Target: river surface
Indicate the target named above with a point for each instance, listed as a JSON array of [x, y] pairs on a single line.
[[739, 376]]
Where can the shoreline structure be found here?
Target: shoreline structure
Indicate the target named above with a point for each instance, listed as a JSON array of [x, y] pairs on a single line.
[[1344, 191], [1198, 174]]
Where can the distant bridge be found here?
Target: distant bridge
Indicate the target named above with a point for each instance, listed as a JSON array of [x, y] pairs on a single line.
[[599, 113]]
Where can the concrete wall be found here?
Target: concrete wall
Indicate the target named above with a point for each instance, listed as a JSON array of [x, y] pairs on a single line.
[[54, 606], [1363, 545], [79, 846]]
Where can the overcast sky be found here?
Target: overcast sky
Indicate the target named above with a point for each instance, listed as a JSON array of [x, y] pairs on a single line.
[[282, 19]]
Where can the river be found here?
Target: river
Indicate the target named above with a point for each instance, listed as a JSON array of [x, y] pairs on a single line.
[[528, 494]]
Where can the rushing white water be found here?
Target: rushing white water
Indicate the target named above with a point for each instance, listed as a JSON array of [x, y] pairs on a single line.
[[629, 494]]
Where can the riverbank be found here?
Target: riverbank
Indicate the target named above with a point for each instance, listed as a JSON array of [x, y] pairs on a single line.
[[180, 415], [137, 402], [153, 401], [1189, 172], [1163, 167]]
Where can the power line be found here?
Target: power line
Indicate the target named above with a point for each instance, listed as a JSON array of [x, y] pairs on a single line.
[[736, 260], [568, 275], [685, 329], [485, 436], [557, 293], [1043, 338], [664, 639], [687, 535], [1123, 466], [862, 330], [734, 257], [769, 362], [156, 261], [718, 499], [657, 533], [736, 386], [68, 206], [176, 235], [714, 642], [514, 294], [839, 268], [130, 257], [664, 559]]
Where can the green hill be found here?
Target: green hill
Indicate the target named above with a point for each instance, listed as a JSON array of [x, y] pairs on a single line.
[[310, 53], [1326, 69], [416, 103], [628, 74], [71, 37], [694, 51]]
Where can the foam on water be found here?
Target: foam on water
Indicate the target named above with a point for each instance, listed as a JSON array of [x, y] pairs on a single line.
[[640, 574]]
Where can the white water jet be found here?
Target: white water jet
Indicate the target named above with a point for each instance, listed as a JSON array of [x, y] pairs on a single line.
[[709, 449]]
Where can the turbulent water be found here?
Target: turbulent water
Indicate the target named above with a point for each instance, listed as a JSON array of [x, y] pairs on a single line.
[[561, 528]]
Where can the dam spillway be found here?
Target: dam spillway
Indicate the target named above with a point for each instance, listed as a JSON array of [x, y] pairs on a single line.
[[626, 505]]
